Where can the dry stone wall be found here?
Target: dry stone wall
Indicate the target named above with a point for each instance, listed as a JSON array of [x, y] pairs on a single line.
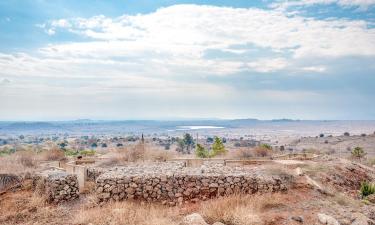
[[172, 183], [57, 186]]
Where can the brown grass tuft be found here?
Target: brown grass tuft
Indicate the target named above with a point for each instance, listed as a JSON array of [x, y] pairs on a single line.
[[127, 213], [53, 154], [240, 209]]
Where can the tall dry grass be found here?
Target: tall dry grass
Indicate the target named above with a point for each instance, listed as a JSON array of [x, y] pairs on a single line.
[[127, 213], [18, 162], [138, 153], [240, 209]]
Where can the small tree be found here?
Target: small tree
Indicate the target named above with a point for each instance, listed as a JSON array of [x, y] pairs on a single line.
[[189, 142], [266, 146], [358, 153], [201, 152], [218, 147]]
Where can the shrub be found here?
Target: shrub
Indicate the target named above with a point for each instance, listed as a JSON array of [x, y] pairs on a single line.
[[70, 152], [53, 154], [218, 147], [201, 152], [266, 146], [26, 158], [347, 134], [87, 152], [244, 153], [358, 153], [367, 189], [263, 150]]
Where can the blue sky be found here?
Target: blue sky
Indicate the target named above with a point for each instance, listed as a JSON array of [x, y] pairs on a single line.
[[302, 59]]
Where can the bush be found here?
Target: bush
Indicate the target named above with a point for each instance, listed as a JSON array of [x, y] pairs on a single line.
[[266, 146], [358, 153], [367, 189], [26, 158], [201, 152], [218, 147], [53, 154], [262, 151], [347, 134], [244, 153], [87, 152]]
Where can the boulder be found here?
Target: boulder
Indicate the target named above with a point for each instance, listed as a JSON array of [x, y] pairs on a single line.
[[359, 219], [371, 198], [193, 219], [328, 220]]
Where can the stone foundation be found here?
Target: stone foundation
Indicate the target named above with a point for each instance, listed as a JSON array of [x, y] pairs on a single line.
[[57, 186], [172, 183]]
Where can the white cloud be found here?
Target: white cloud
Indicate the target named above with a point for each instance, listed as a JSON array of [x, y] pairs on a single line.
[[268, 65], [361, 4], [190, 30], [318, 69]]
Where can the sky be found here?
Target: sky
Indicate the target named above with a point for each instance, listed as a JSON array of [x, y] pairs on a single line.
[[126, 59]]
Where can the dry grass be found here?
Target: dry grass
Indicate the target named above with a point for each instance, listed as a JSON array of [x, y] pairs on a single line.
[[240, 209], [18, 162], [127, 213], [241, 153], [262, 151], [138, 153], [53, 154]]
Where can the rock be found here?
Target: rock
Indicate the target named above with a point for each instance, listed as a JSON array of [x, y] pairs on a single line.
[[371, 198], [328, 220], [218, 223], [299, 171], [193, 219], [297, 218], [359, 219]]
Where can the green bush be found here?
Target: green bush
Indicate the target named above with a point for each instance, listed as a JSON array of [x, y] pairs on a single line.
[[218, 147], [70, 152], [367, 189], [266, 146], [201, 152], [87, 152], [358, 153]]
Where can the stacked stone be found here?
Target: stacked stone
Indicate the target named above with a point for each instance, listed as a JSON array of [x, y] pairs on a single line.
[[58, 186], [182, 186]]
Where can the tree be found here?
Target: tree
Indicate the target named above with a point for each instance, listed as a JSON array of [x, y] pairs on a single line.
[[358, 153], [189, 142], [266, 146], [218, 147], [201, 152]]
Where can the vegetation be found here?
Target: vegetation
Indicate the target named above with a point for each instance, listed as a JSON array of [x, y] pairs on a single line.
[[186, 144], [266, 146], [367, 189], [263, 150], [218, 147], [201, 152], [358, 153], [87, 152]]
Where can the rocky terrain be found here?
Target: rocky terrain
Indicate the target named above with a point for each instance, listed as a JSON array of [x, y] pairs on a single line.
[[324, 190]]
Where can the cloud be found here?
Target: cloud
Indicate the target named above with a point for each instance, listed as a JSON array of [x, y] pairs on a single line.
[[4, 82], [188, 31], [268, 65], [361, 4]]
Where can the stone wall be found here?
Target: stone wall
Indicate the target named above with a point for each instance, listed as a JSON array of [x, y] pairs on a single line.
[[172, 184], [57, 186]]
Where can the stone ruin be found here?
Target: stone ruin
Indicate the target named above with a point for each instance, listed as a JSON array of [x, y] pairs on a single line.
[[174, 184], [58, 186]]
